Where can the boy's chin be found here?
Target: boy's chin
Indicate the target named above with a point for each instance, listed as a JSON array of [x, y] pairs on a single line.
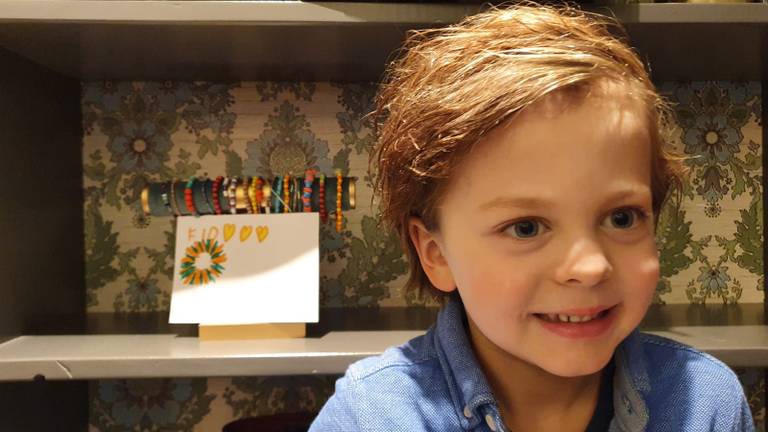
[[572, 366]]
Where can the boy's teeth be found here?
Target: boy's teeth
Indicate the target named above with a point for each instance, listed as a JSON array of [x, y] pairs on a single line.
[[570, 318]]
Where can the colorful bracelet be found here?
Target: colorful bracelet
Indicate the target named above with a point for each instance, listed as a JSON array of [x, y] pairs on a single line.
[[215, 188], [233, 195], [321, 199], [339, 219], [253, 206], [266, 197], [306, 198], [258, 202], [247, 194], [286, 193], [188, 198], [225, 193]]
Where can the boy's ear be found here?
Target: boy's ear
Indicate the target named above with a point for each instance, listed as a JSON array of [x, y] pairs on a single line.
[[431, 255]]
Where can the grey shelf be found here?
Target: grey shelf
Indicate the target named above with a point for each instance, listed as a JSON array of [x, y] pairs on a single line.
[[155, 356], [144, 345], [246, 40], [145, 356]]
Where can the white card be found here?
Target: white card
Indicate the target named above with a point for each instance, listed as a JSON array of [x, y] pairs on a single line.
[[246, 269]]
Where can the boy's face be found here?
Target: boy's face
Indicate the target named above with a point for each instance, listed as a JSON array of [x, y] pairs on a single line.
[[545, 217]]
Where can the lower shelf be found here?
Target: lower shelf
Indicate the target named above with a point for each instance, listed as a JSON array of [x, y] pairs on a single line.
[[142, 356], [167, 355]]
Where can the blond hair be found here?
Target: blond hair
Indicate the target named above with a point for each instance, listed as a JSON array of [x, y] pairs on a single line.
[[455, 84]]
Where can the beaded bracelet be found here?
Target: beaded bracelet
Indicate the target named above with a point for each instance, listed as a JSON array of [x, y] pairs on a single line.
[[338, 201], [253, 206], [225, 192], [286, 194], [267, 203], [321, 199], [233, 195], [246, 194], [188, 198], [258, 202], [215, 192], [309, 178], [166, 200]]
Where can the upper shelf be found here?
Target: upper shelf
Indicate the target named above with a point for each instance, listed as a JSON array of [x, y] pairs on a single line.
[[292, 40], [334, 13]]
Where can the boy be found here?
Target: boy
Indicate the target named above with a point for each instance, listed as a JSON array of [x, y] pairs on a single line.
[[523, 164]]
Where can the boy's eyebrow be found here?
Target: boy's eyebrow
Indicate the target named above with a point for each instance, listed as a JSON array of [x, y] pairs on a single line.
[[535, 202]]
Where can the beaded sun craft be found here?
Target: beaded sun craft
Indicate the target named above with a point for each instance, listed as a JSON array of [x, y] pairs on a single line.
[[191, 274]]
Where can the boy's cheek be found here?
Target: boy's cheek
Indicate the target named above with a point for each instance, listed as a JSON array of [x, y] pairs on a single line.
[[647, 277]]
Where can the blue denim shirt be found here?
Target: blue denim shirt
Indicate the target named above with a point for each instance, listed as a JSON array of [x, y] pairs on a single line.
[[434, 383]]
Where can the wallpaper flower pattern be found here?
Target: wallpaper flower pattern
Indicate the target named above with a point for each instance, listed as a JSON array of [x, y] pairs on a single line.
[[137, 132]]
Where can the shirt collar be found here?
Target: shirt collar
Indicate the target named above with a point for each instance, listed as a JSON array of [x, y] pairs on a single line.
[[469, 388], [466, 381], [631, 385]]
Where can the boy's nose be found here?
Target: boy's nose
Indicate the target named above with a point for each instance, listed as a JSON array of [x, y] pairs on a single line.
[[584, 264]]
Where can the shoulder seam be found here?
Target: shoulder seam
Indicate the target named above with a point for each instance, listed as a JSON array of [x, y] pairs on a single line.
[[367, 373], [668, 343]]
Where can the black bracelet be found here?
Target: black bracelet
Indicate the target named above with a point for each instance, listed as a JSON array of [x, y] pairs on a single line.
[[204, 185]]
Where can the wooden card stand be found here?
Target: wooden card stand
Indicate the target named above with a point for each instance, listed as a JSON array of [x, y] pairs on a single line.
[[252, 331]]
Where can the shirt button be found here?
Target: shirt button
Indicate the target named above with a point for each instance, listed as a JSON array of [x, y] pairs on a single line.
[[467, 412], [491, 423]]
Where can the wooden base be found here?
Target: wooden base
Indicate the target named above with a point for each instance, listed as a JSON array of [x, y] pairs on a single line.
[[252, 331]]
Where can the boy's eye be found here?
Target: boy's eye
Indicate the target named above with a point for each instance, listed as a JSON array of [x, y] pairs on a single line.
[[523, 229], [624, 218]]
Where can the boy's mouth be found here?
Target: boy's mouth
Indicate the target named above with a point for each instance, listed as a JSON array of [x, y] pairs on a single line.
[[579, 323]]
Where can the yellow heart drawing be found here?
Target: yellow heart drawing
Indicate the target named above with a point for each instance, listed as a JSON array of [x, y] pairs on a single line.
[[245, 232], [262, 232], [229, 231]]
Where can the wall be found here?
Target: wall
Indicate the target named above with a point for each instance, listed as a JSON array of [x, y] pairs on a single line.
[[712, 249]]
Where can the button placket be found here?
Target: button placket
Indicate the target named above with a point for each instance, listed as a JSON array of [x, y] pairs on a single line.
[[627, 404]]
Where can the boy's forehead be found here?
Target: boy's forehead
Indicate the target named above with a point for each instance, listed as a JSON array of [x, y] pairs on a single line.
[[602, 135], [595, 122]]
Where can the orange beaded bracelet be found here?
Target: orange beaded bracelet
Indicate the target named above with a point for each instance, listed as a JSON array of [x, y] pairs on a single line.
[[253, 204], [339, 219], [321, 199], [286, 193]]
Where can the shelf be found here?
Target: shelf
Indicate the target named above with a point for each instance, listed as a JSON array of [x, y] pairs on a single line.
[[301, 41], [333, 13], [142, 345], [156, 356], [134, 356]]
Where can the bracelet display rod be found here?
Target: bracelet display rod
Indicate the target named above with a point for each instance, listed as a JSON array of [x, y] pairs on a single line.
[[241, 195]]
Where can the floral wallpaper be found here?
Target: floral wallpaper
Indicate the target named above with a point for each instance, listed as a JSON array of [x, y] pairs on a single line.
[[138, 132]]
